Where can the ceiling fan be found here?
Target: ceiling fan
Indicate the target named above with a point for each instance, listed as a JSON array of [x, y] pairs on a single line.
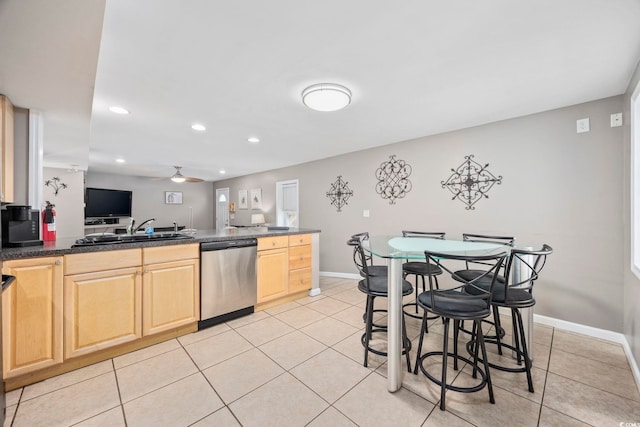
[[179, 178]]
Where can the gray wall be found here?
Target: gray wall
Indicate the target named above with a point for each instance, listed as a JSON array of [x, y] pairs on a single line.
[[559, 187], [631, 282], [148, 199]]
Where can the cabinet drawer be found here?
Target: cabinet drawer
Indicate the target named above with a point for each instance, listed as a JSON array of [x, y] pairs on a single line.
[[273, 242], [299, 280], [299, 257], [170, 253], [300, 239], [98, 261]]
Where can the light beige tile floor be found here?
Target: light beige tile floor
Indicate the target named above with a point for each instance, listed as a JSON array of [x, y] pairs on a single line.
[[300, 364]]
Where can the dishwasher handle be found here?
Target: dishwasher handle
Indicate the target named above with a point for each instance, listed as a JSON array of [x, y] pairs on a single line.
[[228, 244]]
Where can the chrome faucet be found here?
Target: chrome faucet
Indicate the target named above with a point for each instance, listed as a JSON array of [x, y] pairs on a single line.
[[175, 227], [135, 230]]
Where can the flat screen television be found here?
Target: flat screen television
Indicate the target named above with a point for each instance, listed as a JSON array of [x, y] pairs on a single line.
[[101, 202]]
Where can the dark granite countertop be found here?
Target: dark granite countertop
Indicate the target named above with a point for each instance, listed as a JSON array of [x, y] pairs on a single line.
[[63, 246]]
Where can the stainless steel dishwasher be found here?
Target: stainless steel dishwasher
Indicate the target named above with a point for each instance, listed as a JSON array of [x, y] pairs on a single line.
[[228, 282]]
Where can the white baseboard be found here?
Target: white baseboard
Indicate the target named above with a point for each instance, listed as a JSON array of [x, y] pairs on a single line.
[[590, 331], [340, 275]]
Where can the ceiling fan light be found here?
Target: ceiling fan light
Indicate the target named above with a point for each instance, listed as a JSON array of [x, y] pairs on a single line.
[[178, 177], [326, 97]]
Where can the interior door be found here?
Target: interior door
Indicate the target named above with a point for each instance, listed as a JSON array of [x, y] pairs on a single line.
[[222, 208], [287, 213]]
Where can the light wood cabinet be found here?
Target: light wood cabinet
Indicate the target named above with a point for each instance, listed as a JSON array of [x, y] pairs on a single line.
[[171, 287], [284, 271], [102, 310], [102, 300], [7, 142], [273, 274], [32, 316], [300, 257]]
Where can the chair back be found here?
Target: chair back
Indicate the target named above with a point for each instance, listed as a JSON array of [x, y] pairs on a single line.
[[360, 259], [427, 234], [360, 237], [500, 240], [443, 299], [526, 264]]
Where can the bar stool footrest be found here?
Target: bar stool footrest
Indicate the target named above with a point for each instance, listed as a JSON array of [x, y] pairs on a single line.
[[473, 389]]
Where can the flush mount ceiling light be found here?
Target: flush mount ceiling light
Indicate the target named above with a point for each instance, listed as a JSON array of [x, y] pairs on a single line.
[[198, 127], [178, 177], [326, 97], [120, 160], [253, 140], [118, 110]]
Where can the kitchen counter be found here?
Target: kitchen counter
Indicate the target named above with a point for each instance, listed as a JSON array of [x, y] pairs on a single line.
[[63, 246]]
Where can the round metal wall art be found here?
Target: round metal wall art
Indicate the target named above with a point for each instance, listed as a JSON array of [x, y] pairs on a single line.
[[339, 193], [470, 182], [393, 179]]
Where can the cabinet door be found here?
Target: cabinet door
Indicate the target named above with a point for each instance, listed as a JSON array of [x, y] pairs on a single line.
[[273, 274], [102, 309], [171, 295], [32, 315]]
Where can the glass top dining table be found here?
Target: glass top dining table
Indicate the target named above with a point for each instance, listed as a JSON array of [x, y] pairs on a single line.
[[396, 249]]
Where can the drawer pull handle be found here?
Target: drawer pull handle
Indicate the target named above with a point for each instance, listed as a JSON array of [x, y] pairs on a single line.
[[58, 262]]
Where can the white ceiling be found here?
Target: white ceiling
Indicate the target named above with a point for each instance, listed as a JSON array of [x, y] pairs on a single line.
[[416, 68]]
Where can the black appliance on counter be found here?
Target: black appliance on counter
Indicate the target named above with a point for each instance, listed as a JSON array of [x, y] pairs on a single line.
[[20, 226]]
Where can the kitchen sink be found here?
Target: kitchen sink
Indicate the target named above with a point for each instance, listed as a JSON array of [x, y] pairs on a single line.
[[124, 238]]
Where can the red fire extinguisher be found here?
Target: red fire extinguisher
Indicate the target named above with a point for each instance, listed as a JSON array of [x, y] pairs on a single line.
[[49, 223]]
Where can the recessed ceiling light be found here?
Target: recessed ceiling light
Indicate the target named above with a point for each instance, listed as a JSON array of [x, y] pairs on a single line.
[[222, 171], [118, 110], [253, 140], [120, 160], [198, 127], [326, 97]]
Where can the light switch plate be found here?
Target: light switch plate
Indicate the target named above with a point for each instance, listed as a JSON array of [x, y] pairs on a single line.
[[365, 213], [616, 120], [582, 125]]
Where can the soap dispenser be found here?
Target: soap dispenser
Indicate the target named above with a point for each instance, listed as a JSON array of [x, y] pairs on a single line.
[[149, 228]]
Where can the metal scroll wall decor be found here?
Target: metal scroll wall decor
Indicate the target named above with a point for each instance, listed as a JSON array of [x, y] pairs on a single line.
[[339, 193], [470, 182], [393, 179], [56, 184]]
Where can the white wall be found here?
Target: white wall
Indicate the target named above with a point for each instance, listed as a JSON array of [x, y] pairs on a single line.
[[559, 188], [149, 199], [69, 202]]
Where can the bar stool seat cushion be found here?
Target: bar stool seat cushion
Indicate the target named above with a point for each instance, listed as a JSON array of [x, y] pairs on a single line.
[[452, 307], [378, 286], [516, 296], [421, 268]]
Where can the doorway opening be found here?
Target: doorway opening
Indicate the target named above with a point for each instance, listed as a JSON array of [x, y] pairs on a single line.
[[222, 208], [287, 213]]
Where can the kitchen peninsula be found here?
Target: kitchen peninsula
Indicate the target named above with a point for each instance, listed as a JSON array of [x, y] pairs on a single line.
[[74, 305]]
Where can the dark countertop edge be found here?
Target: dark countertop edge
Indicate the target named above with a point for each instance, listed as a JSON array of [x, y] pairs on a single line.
[[63, 246]]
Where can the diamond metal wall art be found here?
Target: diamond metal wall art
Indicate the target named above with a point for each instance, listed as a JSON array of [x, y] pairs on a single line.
[[470, 182], [339, 193], [393, 179]]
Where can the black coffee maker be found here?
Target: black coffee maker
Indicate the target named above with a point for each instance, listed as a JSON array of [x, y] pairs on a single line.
[[20, 226]]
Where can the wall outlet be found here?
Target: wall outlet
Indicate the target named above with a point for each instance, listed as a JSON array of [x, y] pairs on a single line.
[[582, 125], [365, 213], [616, 120]]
